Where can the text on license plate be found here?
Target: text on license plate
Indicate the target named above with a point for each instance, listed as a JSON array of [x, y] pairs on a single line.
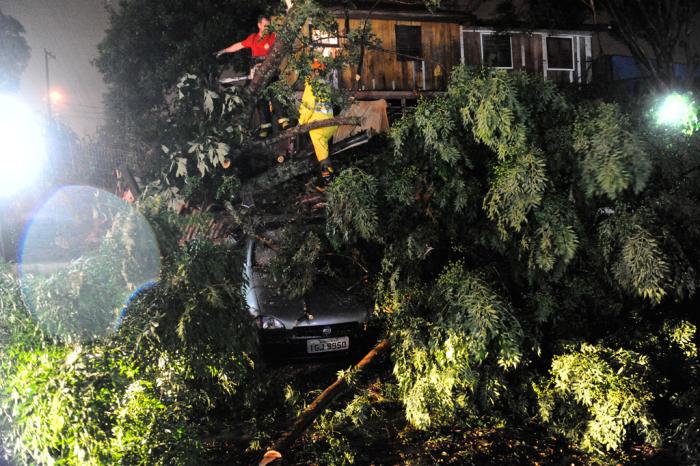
[[327, 344]]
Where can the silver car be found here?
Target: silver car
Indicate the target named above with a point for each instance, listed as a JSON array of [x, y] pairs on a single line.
[[327, 320]]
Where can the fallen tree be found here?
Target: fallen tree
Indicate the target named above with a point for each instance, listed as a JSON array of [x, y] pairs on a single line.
[[302, 129], [500, 222], [210, 129]]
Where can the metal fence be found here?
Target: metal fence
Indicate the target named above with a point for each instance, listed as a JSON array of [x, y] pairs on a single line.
[[68, 163], [94, 165]]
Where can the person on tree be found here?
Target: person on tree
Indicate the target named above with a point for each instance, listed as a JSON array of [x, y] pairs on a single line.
[[260, 43], [315, 106]]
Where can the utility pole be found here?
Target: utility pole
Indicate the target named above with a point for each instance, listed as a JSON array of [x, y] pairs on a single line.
[[2, 239], [49, 113]]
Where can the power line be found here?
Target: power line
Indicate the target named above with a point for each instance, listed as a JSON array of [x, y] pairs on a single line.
[[83, 110], [84, 116], [97, 107]]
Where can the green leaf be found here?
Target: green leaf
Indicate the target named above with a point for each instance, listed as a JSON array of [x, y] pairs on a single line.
[[181, 167]]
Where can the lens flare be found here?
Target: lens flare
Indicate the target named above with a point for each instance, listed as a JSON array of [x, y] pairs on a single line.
[[22, 146], [84, 256]]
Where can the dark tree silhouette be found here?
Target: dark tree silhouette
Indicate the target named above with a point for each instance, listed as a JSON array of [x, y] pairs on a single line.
[[14, 52]]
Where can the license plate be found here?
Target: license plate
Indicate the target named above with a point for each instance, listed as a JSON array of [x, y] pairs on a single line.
[[327, 344]]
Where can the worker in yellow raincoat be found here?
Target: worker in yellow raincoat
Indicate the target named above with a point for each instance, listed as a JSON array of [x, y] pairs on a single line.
[[317, 109]]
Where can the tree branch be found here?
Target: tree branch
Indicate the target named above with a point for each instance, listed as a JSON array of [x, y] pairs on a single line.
[[279, 174], [309, 415], [339, 121], [282, 173], [629, 38], [652, 31]]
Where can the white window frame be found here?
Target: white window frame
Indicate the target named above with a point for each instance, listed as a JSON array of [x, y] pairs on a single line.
[[510, 43], [324, 39], [583, 53], [573, 51]]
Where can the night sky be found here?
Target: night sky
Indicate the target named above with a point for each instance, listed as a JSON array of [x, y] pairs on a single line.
[[71, 29]]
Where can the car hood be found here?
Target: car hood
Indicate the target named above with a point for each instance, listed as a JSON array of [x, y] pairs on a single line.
[[324, 305]]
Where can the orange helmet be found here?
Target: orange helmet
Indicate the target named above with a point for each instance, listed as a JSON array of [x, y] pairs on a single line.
[[317, 65]]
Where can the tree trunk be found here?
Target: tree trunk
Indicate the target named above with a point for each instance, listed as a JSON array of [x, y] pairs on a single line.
[[278, 175], [337, 121]]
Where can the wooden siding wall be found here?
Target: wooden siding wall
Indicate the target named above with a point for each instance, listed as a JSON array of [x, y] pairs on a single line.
[[383, 71]]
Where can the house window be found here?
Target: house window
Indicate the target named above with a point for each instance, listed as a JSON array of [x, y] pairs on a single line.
[[408, 43], [496, 51], [324, 38], [560, 53]]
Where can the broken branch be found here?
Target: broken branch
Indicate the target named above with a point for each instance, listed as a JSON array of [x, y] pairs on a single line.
[[279, 174], [309, 415], [337, 121]]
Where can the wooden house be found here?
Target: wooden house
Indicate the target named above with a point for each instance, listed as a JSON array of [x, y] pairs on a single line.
[[417, 50]]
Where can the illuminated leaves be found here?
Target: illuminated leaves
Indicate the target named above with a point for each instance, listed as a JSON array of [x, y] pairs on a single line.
[[197, 105], [352, 208], [634, 255], [597, 396], [444, 360], [517, 188], [296, 265], [554, 241], [490, 107], [611, 156]]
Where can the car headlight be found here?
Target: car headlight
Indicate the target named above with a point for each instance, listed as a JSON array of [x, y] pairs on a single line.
[[269, 323]]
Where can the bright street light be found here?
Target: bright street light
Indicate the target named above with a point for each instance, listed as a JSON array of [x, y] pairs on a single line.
[[22, 146], [678, 111], [56, 97]]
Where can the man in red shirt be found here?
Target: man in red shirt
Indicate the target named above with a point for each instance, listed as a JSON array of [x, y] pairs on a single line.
[[260, 43]]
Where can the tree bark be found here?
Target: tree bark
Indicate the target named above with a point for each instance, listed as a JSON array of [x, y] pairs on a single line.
[[339, 387], [279, 174], [339, 121]]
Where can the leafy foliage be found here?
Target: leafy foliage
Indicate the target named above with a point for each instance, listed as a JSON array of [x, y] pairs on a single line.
[[84, 300], [352, 210], [498, 222], [637, 262], [517, 190], [150, 45], [337, 429], [612, 157], [57, 401], [555, 241], [491, 109], [133, 397], [503, 190], [201, 130], [450, 361], [597, 395], [295, 266]]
